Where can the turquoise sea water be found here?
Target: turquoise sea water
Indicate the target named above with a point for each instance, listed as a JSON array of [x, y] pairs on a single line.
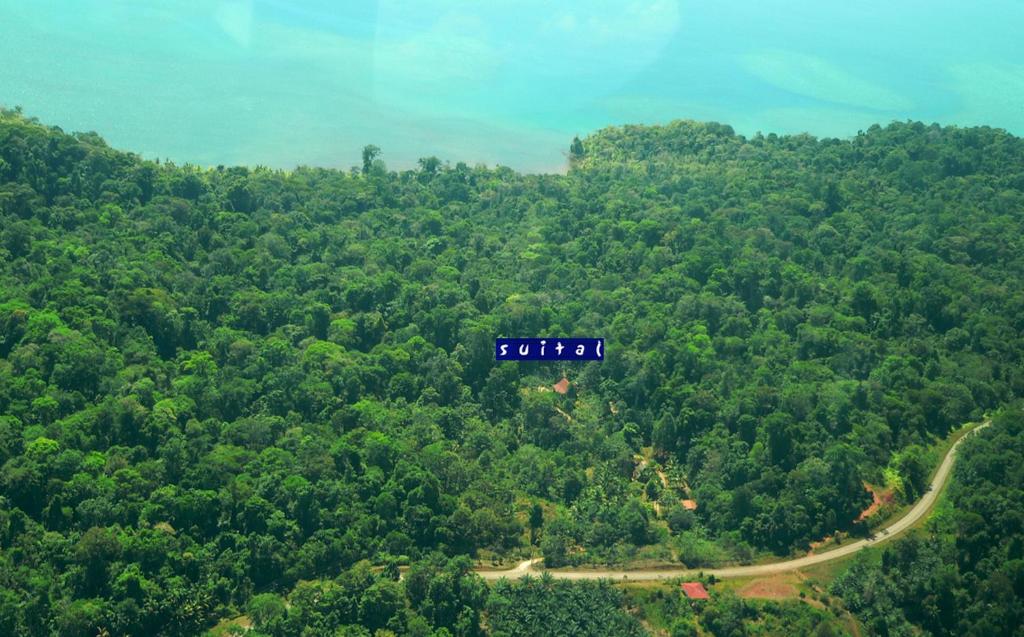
[[286, 82]]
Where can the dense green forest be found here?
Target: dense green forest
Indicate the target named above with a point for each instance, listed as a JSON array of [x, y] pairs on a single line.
[[241, 390], [546, 606], [966, 575]]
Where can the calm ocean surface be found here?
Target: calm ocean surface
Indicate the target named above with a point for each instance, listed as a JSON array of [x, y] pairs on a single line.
[[290, 82]]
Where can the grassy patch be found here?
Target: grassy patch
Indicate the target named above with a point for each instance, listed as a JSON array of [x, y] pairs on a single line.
[[228, 627]]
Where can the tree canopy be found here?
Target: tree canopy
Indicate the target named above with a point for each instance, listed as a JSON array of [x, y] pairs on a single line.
[[241, 390]]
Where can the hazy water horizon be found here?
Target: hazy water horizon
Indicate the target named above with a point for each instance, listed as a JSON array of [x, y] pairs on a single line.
[[280, 84]]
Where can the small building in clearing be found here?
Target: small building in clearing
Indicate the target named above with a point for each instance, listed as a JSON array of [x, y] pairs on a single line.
[[562, 386], [694, 590], [690, 505]]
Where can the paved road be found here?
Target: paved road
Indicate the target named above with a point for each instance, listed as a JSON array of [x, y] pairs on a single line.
[[919, 511]]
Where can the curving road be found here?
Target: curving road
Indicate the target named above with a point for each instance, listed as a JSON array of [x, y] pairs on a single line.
[[919, 511]]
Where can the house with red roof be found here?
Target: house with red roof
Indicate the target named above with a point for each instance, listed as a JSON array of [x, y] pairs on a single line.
[[694, 590], [562, 386]]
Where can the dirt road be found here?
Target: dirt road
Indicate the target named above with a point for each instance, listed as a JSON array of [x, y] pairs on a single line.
[[919, 511]]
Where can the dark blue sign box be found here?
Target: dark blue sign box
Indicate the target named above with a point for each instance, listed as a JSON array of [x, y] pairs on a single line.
[[549, 349]]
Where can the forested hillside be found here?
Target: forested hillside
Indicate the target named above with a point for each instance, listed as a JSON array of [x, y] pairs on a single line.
[[222, 390], [966, 576]]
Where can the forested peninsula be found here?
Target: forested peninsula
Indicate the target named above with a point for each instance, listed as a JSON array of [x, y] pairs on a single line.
[[241, 391]]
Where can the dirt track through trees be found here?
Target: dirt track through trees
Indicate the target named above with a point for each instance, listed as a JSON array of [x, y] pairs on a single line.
[[920, 510]]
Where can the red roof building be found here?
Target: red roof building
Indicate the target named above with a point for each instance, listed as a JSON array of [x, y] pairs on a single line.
[[690, 505], [694, 590], [562, 386]]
